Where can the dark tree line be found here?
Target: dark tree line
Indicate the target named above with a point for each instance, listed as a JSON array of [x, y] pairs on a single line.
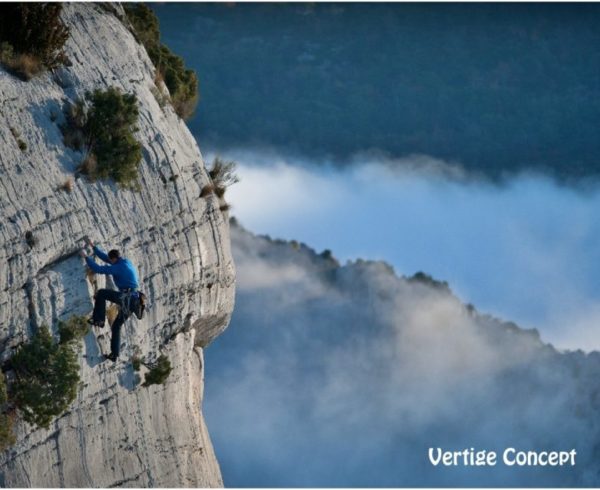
[[498, 87]]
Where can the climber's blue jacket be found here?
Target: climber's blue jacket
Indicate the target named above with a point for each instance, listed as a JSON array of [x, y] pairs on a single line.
[[123, 271]]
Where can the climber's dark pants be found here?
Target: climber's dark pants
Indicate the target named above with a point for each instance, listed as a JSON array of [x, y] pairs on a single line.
[[99, 316]]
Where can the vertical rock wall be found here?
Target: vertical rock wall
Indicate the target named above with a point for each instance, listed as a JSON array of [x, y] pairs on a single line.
[[117, 433]]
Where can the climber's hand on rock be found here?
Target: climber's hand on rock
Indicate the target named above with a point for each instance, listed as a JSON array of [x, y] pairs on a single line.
[[87, 240], [82, 253]]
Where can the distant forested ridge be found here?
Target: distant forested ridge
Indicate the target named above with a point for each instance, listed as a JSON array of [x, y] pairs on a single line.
[[497, 87]]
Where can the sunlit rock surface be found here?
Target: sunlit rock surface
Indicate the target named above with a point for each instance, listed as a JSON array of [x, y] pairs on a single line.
[[117, 433]]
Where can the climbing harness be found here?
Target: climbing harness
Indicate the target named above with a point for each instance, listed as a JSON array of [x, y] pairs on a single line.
[[133, 301]]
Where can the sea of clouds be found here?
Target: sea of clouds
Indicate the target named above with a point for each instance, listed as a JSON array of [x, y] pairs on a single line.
[[348, 379], [525, 250], [349, 382]]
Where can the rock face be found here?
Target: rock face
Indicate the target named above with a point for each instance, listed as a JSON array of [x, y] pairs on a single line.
[[117, 433]]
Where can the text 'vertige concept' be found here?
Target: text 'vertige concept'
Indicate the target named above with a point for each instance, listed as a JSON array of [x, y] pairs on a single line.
[[510, 457]]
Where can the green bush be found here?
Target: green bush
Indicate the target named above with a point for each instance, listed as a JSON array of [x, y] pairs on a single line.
[[73, 330], [32, 34], [144, 22], [7, 437], [159, 371], [105, 128], [46, 378], [112, 120], [181, 82]]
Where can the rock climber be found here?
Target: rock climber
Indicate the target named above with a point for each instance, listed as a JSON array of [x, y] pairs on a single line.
[[125, 277]]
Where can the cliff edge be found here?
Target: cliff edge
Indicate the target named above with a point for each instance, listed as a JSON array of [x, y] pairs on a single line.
[[117, 432]]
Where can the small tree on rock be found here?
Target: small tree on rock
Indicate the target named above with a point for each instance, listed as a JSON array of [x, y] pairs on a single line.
[[46, 378], [159, 371]]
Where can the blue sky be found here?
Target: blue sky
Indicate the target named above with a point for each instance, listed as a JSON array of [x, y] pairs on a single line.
[[523, 251]]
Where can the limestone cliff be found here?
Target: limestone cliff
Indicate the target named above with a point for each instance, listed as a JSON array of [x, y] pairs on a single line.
[[116, 433]]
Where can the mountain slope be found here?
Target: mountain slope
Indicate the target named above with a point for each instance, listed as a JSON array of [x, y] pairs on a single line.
[[346, 375]]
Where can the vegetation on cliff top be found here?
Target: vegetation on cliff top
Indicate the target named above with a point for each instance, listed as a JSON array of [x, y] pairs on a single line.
[[181, 81], [32, 37]]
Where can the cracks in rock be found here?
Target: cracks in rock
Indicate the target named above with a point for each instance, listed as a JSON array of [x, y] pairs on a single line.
[[187, 325], [106, 400], [193, 415], [18, 455], [82, 447], [52, 299], [26, 473], [143, 444], [28, 287], [59, 459], [198, 352], [120, 483], [9, 99]]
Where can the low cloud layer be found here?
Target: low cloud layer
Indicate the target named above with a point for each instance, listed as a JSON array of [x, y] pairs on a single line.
[[345, 376], [525, 250]]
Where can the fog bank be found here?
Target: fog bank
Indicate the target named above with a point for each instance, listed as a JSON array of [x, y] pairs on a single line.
[[525, 250], [344, 376]]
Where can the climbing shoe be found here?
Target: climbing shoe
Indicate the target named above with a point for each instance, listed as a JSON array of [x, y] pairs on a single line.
[[110, 357], [95, 324]]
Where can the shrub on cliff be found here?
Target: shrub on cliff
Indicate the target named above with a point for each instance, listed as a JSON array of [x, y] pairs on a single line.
[[32, 37], [73, 329], [46, 378], [25, 66], [222, 175], [159, 371], [181, 82], [112, 120], [7, 437], [104, 126], [144, 22]]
